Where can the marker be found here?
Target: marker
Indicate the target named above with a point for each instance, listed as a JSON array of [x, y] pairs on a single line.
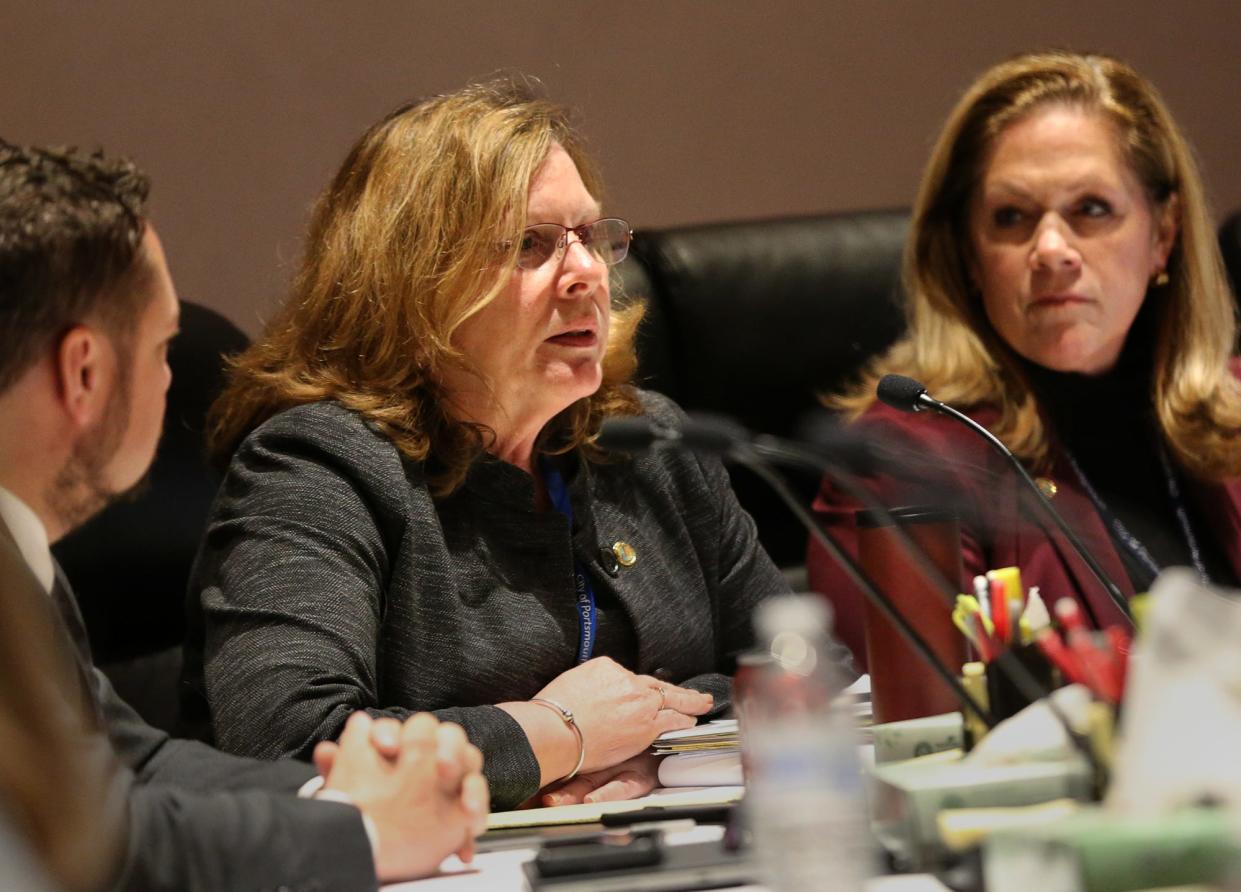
[[999, 608], [983, 594], [1014, 595], [1060, 656], [1034, 616], [1070, 615], [1095, 661], [987, 648]]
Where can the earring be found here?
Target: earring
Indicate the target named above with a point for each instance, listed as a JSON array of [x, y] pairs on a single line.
[[1161, 278]]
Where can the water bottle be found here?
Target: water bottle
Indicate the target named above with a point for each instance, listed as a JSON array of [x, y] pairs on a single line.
[[805, 798]]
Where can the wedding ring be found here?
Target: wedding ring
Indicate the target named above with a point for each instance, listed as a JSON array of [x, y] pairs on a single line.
[[663, 696]]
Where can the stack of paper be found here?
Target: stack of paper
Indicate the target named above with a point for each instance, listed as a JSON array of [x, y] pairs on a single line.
[[710, 754], [591, 812], [705, 756], [717, 735]]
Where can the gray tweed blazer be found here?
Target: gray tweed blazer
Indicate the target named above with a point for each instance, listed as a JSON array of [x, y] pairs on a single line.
[[330, 580]]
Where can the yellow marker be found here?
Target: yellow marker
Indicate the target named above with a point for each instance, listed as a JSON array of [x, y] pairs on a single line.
[[965, 607], [963, 828], [974, 680], [1138, 604]]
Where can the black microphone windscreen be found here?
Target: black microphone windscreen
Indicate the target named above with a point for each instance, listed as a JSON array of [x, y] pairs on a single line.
[[852, 449], [704, 432], [628, 434], [900, 392]]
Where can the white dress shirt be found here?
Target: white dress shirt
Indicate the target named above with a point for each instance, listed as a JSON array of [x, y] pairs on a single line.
[[31, 537]]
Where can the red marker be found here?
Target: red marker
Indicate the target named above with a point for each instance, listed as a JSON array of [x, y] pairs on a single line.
[[1095, 661], [1059, 655], [983, 641], [1070, 615], [1000, 618]]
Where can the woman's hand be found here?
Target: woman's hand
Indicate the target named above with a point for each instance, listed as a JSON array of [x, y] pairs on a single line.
[[619, 714], [630, 779]]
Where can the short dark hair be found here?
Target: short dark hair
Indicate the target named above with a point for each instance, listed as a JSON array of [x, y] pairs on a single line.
[[71, 229]]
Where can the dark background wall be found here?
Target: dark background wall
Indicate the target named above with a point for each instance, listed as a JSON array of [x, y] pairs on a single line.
[[698, 110]]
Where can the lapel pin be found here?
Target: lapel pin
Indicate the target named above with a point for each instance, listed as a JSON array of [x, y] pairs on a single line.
[[625, 555]]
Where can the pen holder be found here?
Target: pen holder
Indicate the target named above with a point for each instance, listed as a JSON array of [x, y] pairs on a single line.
[[1005, 699], [902, 685]]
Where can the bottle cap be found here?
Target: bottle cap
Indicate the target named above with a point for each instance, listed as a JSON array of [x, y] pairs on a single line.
[[800, 614]]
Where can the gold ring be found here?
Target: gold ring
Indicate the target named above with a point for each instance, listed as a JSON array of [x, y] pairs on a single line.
[[663, 696]]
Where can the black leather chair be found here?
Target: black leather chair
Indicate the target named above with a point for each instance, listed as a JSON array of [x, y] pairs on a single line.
[[755, 319], [129, 565]]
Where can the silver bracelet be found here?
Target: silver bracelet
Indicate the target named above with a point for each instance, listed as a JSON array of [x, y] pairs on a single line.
[[567, 715]]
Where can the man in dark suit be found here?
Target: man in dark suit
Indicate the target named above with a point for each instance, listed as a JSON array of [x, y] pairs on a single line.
[[87, 311]]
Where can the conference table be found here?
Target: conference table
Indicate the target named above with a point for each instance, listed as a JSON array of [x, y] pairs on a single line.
[[501, 871]]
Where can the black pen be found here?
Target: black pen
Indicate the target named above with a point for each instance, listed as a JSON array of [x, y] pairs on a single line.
[[702, 814]]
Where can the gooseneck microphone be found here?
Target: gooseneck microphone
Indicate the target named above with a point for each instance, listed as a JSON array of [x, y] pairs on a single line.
[[730, 440], [833, 452], [907, 395], [903, 393], [702, 432]]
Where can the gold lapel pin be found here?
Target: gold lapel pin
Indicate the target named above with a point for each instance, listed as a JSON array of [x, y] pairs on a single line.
[[625, 555], [1046, 486]]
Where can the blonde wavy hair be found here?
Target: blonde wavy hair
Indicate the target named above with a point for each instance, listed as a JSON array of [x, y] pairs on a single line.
[[952, 347], [417, 233]]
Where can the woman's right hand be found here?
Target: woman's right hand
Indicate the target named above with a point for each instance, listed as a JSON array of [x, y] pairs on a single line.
[[620, 713]]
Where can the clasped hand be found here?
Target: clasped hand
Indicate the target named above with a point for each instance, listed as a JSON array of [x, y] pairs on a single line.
[[419, 781]]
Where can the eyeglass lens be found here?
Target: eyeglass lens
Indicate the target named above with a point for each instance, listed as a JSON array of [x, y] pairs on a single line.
[[606, 239]]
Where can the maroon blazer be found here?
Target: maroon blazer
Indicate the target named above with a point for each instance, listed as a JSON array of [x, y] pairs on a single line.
[[998, 530]]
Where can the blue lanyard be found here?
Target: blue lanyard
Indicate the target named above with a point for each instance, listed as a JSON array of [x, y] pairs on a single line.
[[587, 618], [1131, 542]]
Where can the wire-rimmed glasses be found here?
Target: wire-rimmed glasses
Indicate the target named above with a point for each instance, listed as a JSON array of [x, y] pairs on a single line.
[[607, 240]]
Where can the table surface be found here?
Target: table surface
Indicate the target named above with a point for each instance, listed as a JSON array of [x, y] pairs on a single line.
[[501, 872]]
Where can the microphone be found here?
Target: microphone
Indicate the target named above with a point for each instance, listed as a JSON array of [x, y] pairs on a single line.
[[735, 442], [907, 395], [632, 434], [902, 393], [725, 437], [832, 443]]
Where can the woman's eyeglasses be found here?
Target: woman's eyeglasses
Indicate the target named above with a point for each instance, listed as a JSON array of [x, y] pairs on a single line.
[[607, 240]]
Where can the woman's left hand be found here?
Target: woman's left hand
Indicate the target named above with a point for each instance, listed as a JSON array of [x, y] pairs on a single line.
[[630, 779]]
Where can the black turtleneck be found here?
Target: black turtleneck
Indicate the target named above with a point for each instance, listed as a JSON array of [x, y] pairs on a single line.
[[1107, 424]]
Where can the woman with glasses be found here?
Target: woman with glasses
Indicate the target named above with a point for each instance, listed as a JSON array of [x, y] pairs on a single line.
[[416, 515]]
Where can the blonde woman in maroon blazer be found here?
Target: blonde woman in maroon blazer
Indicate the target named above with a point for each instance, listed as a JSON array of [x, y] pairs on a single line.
[[1065, 289]]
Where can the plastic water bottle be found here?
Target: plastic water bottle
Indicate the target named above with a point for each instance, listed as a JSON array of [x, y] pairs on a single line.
[[805, 798]]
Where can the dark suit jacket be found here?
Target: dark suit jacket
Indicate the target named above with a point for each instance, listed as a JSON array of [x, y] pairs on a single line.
[[203, 820], [331, 580], [997, 529], [91, 787]]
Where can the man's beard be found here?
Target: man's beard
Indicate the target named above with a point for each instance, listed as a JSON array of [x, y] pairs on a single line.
[[81, 489]]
